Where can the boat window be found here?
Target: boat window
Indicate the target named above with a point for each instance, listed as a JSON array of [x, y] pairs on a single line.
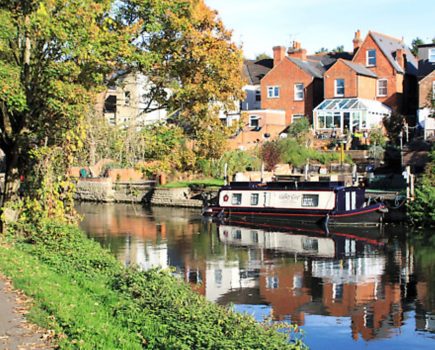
[[236, 199], [237, 234], [254, 236], [310, 200], [254, 198], [310, 244]]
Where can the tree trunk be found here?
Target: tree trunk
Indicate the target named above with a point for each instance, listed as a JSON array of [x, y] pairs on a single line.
[[11, 182]]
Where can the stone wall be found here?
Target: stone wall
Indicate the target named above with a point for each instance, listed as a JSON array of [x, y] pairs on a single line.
[[95, 190], [177, 197], [104, 190]]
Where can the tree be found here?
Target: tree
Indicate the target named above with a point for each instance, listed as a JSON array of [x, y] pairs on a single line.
[[53, 55], [322, 50], [193, 56], [263, 56], [414, 45], [339, 48]]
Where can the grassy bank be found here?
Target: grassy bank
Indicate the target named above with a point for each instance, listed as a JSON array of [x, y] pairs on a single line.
[[199, 182], [92, 302]]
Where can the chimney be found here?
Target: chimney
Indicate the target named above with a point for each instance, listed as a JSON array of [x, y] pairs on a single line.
[[278, 54], [357, 41], [400, 53], [297, 52]]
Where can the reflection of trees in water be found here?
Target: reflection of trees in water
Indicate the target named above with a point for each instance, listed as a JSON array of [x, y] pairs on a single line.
[[404, 279], [424, 254]]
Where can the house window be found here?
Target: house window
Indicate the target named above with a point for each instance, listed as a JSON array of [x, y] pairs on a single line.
[[254, 198], [257, 95], [310, 200], [272, 282], [127, 98], [110, 104], [254, 121], [296, 117], [339, 87], [371, 58], [382, 87], [273, 91], [236, 199], [431, 55], [299, 92]]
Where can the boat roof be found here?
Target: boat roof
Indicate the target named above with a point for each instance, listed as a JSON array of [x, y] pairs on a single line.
[[287, 185]]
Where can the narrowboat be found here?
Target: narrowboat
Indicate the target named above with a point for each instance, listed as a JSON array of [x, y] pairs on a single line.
[[329, 203]]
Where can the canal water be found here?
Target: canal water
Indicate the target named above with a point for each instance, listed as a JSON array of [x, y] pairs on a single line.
[[351, 288]]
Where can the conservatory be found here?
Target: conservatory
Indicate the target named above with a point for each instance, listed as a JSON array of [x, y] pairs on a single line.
[[349, 114]]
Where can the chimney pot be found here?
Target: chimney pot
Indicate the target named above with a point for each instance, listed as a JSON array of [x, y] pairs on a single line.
[[357, 41]]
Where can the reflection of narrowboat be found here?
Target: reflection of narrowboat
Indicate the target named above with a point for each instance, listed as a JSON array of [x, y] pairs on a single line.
[[303, 240], [312, 202], [279, 241]]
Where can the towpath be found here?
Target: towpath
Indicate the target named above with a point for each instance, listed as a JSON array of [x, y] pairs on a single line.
[[16, 333]]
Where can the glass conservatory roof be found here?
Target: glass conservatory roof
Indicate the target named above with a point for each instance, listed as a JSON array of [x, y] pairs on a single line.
[[359, 104]]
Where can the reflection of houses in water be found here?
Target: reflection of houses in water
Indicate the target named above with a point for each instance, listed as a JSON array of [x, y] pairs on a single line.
[[341, 276]]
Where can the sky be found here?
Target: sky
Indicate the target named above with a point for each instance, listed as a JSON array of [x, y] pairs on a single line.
[[258, 25]]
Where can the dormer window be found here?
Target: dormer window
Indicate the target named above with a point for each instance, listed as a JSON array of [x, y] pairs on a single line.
[[431, 55], [371, 58], [339, 87], [257, 95]]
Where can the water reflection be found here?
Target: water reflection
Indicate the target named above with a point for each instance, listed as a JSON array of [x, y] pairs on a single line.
[[345, 288]]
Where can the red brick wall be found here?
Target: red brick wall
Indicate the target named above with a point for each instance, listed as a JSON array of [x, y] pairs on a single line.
[[367, 87], [285, 75], [340, 71], [384, 70]]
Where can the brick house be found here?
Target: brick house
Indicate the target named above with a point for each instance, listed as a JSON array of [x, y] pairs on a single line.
[[294, 84], [395, 67], [350, 99], [346, 79], [256, 125], [426, 88]]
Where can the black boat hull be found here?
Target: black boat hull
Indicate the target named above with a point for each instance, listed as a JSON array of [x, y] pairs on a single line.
[[367, 216]]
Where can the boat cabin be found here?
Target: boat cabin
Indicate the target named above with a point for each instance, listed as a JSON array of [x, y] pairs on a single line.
[[323, 196]]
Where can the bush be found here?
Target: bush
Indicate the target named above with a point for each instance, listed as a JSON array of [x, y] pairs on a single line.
[[421, 211], [270, 154], [92, 302], [237, 161], [292, 152], [299, 128]]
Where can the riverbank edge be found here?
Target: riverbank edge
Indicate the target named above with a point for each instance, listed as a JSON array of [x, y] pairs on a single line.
[[91, 301]]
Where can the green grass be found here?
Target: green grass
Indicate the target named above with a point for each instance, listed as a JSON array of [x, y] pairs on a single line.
[[92, 302], [79, 309], [199, 182]]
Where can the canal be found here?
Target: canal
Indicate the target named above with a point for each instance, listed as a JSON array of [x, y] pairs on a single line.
[[353, 288]]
